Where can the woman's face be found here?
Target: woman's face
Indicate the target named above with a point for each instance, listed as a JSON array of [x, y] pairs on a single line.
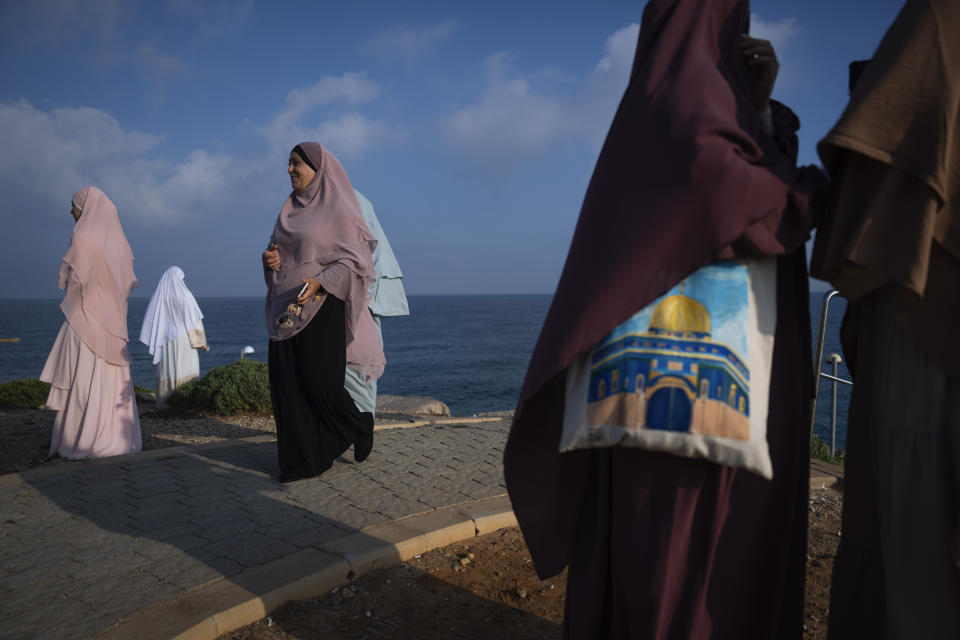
[[300, 173], [75, 212]]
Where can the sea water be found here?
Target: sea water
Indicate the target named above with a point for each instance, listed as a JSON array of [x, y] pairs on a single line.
[[471, 352]]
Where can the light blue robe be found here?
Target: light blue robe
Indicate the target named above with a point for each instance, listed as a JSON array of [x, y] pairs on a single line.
[[387, 298]]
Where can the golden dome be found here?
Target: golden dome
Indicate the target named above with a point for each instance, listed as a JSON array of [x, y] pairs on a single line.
[[680, 314]]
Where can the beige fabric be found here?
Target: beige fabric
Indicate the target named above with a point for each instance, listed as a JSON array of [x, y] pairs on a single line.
[[94, 399], [197, 338], [179, 364], [894, 156]]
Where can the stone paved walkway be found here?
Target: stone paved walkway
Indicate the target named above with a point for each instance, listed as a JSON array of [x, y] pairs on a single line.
[[87, 544]]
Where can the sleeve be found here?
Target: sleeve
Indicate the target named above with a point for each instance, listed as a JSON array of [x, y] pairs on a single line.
[[787, 226], [335, 280]]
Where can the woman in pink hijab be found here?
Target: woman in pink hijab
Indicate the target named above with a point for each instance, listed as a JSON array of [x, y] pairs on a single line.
[[89, 366], [318, 267]]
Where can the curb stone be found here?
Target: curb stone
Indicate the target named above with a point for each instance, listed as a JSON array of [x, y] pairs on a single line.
[[227, 604]]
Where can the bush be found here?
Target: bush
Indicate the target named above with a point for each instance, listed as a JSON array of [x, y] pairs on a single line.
[[821, 451], [234, 388], [28, 393]]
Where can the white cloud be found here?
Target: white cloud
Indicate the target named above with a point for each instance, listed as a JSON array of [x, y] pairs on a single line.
[[153, 60], [351, 134], [214, 19], [47, 155], [509, 113], [781, 34], [193, 184], [350, 87], [619, 49], [346, 133], [408, 42], [518, 114], [513, 115], [55, 21]]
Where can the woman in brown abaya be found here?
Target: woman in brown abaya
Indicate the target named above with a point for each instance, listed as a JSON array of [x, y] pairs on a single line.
[[891, 244], [695, 169]]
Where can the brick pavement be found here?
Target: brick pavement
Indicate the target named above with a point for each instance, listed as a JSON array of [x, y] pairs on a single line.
[[87, 544]]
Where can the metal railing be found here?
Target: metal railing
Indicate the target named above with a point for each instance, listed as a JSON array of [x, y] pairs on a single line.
[[835, 360]]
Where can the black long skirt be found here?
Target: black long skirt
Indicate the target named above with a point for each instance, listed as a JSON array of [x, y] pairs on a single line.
[[316, 418]]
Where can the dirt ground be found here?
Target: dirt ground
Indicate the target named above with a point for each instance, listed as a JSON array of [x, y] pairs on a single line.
[[487, 588], [481, 589]]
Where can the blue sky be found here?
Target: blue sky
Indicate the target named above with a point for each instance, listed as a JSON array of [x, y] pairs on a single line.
[[472, 127]]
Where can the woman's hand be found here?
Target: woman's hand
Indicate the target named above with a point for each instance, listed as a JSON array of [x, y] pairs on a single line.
[[313, 287], [762, 68], [271, 258]]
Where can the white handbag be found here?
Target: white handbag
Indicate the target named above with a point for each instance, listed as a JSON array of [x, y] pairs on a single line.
[[688, 374]]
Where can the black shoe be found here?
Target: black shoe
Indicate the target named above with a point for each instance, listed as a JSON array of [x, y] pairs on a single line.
[[363, 447]]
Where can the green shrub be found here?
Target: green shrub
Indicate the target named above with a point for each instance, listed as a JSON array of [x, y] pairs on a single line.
[[234, 388], [138, 389], [28, 393], [821, 451]]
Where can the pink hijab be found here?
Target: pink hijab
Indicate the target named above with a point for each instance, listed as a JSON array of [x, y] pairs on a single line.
[[317, 227], [97, 276]]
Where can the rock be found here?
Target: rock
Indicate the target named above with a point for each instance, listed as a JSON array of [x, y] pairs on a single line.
[[495, 414], [412, 405]]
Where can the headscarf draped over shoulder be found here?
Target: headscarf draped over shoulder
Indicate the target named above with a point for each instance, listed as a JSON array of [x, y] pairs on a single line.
[[319, 226], [387, 296], [100, 258], [894, 156], [684, 173]]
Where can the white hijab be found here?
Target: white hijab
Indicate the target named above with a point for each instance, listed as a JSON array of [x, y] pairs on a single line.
[[172, 312]]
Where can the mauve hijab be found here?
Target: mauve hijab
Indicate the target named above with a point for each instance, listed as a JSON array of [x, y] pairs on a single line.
[[685, 177], [319, 226], [95, 304]]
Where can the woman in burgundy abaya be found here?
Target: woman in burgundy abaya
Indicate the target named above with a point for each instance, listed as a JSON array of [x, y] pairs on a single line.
[[699, 166]]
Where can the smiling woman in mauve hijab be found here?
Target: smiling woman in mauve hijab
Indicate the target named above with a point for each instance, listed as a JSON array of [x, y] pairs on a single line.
[[89, 367], [318, 267], [695, 169]]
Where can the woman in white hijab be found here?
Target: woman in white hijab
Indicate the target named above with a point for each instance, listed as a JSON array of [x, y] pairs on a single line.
[[173, 331]]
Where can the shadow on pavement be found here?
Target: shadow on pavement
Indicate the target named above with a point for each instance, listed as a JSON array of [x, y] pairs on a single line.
[[88, 544]]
